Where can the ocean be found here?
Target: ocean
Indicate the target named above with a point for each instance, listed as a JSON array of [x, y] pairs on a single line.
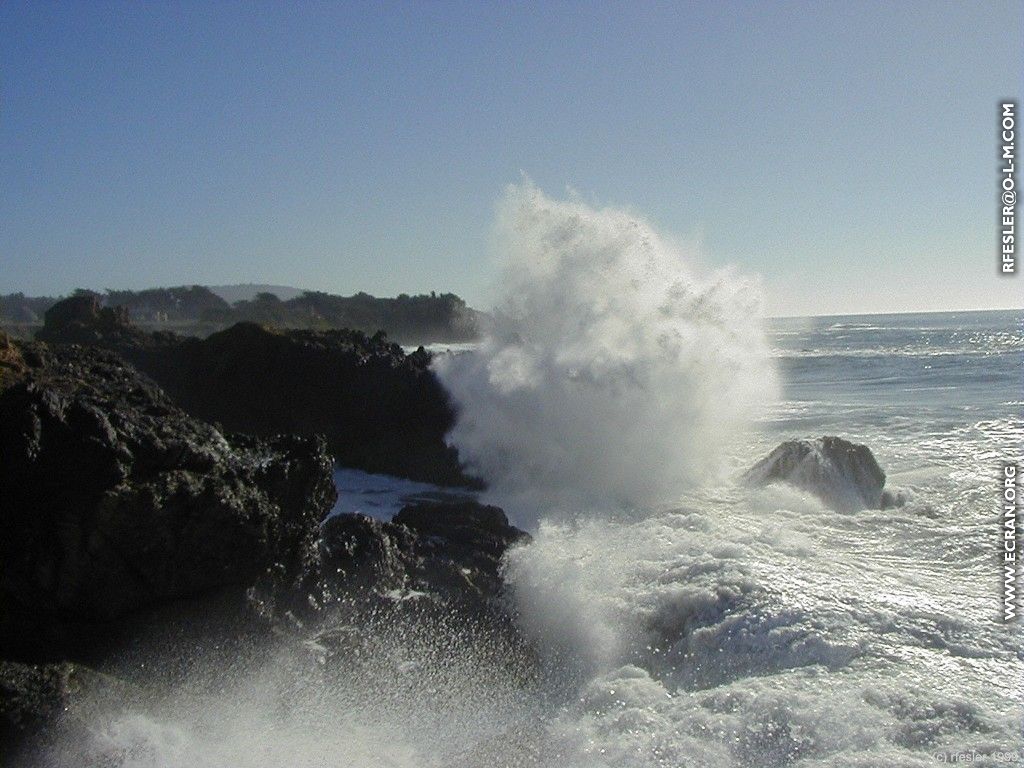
[[726, 627], [764, 630], [677, 616]]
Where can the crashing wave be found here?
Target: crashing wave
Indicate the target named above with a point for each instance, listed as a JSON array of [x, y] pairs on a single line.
[[614, 371]]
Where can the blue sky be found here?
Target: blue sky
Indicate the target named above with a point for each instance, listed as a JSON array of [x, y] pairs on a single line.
[[844, 151]]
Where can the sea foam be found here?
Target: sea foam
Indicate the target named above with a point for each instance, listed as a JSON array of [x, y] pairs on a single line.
[[613, 373]]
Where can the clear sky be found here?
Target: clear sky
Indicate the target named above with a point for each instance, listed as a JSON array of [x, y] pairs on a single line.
[[844, 151]]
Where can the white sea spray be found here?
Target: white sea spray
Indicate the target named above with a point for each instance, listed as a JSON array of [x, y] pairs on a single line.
[[613, 372]]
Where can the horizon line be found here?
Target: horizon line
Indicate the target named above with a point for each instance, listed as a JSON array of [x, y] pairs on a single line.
[[769, 317]]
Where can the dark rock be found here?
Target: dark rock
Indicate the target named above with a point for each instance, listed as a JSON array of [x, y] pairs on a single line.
[[896, 497], [360, 554], [844, 475], [82, 310], [114, 501], [143, 542], [449, 551], [31, 697], [12, 366], [459, 546], [432, 572], [82, 320], [41, 703], [380, 409]]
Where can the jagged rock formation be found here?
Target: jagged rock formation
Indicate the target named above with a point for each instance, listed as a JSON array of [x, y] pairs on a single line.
[[134, 533], [844, 475], [433, 571], [380, 409], [114, 501], [449, 551]]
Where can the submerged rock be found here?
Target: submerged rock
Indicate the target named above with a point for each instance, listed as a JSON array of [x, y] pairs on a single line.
[[114, 501], [844, 475]]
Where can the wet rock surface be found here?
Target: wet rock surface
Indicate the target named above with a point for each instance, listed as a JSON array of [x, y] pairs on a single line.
[[113, 500], [842, 474], [448, 551], [429, 576], [41, 703], [136, 539]]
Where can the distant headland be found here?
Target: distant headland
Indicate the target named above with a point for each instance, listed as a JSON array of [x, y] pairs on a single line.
[[201, 310]]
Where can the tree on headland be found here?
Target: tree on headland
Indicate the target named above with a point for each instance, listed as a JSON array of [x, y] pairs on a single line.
[[197, 309]]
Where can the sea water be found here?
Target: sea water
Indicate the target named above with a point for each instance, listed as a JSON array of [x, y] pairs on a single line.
[[759, 628], [678, 617]]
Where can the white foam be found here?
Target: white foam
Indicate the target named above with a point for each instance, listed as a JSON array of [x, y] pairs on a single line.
[[613, 372]]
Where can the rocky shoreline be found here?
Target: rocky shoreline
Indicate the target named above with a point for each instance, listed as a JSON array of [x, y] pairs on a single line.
[[165, 500], [379, 409], [134, 527]]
